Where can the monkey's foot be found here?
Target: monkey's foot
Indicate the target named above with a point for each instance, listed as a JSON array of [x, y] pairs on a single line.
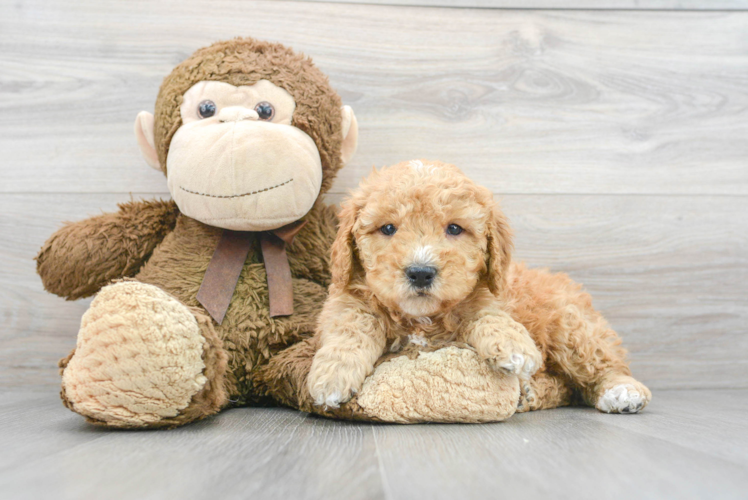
[[140, 360]]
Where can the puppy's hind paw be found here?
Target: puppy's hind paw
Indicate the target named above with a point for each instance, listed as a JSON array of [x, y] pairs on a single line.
[[527, 400], [622, 398]]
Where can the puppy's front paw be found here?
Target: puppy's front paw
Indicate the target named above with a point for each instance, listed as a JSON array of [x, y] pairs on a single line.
[[332, 382], [519, 357]]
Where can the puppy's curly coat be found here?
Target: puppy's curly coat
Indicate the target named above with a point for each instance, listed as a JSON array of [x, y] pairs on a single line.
[[424, 253]]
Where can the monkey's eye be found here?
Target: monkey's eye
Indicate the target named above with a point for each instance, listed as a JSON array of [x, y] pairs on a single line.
[[265, 110], [206, 109], [388, 229], [454, 229]]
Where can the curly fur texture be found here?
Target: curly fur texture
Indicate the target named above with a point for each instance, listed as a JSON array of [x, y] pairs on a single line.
[[111, 380], [438, 382], [518, 321], [446, 385], [82, 257]]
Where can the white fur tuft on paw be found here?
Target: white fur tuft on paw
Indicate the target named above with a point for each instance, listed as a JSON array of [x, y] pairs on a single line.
[[419, 340], [529, 369], [623, 398], [330, 400], [515, 363]]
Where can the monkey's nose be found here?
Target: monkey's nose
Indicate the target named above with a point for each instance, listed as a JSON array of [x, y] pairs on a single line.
[[237, 114], [421, 276]]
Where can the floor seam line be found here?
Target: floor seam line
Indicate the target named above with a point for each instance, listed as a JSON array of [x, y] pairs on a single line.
[[382, 475]]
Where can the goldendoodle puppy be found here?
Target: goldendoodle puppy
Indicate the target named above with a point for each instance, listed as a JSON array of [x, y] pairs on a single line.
[[424, 254]]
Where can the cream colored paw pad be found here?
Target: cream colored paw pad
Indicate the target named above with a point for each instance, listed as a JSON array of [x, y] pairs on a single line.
[[623, 398], [448, 385], [138, 357]]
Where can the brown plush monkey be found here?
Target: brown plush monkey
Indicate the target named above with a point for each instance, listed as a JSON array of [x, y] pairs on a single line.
[[249, 135]]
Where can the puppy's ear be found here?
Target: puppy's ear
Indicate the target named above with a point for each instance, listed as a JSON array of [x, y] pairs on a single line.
[[499, 250], [342, 248]]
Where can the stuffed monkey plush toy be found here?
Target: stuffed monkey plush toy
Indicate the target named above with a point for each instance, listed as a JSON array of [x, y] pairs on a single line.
[[196, 294], [249, 136]]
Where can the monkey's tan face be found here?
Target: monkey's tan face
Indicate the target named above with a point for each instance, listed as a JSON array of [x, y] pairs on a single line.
[[237, 162]]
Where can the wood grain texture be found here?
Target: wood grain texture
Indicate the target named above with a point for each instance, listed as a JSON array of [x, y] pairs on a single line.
[[687, 444], [669, 272], [262, 453], [563, 453], [526, 101], [565, 4]]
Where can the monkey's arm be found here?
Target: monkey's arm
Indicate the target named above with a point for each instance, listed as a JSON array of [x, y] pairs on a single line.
[[83, 256]]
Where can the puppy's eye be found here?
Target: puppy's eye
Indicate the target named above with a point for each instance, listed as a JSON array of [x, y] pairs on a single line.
[[206, 109], [388, 229], [454, 229], [265, 110]]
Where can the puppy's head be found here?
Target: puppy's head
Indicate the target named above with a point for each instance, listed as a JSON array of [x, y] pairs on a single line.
[[421, 237]]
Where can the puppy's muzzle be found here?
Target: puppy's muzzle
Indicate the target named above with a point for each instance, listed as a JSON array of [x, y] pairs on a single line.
[[420, 276]]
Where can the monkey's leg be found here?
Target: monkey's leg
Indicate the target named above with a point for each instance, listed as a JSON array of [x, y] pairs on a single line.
[[144, 359], [588, 351]]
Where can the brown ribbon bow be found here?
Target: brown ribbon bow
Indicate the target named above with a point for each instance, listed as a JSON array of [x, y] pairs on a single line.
[[227, 263]]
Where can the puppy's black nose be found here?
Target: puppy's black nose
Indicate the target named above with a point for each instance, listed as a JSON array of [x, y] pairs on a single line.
[[420, 277]]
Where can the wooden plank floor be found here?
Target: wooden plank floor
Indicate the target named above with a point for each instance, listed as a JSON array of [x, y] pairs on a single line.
[[688, 444]]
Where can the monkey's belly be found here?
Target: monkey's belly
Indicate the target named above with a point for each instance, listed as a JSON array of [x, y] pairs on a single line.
[[250, 336]]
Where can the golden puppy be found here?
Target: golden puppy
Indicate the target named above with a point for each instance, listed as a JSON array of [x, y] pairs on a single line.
[[424, 253]]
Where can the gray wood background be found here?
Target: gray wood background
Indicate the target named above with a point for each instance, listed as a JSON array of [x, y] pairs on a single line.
[[616, 140]]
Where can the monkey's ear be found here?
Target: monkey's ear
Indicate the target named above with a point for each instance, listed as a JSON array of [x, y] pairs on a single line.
[[350, 134], [146, 140]]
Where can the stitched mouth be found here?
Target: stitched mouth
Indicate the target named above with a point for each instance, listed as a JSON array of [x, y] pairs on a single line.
[[237, 195]]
